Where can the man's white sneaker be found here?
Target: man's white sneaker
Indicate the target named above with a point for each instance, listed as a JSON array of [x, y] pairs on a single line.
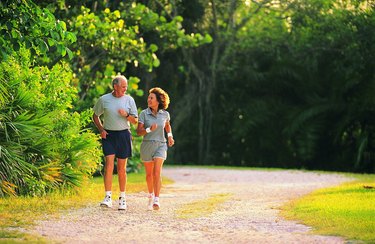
[[150, 203], [107, 202], [156, 204], [122, 203]]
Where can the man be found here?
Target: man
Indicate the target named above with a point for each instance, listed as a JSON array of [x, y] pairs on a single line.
[[118, 110]]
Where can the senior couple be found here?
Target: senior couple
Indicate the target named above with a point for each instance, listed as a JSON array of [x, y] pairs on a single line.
[[117, 111]]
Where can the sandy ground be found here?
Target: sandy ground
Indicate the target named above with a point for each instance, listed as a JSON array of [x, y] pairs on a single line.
[[250, 215]]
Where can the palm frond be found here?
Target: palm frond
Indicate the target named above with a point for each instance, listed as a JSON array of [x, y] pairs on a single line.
[[302, 117], [3, 92]]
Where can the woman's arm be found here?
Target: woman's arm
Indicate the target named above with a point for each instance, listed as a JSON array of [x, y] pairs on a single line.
[[141, 130], [168, 129]]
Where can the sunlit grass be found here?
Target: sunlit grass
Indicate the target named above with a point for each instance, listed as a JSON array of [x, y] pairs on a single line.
[[347, 210], [24, 211], [202, 207]]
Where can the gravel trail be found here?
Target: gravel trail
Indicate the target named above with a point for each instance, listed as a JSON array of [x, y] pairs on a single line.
[[250, 215]]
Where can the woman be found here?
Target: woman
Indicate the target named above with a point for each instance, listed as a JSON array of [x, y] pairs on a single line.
[[152, 123]]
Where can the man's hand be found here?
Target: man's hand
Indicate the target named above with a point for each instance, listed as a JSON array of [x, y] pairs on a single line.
[[123, 113], [103, 134]]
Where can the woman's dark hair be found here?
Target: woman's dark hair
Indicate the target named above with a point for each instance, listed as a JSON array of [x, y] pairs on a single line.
[[161, 96]]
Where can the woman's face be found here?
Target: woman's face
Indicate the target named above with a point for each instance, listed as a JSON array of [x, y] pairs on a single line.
[[152, 101]]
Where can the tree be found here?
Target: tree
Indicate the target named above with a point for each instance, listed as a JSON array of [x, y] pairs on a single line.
[[224, 21], [291, 85], [115, 37], [310, 96], [22, 23]]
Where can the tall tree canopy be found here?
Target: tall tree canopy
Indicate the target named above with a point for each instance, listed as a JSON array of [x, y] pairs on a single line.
[[57, 58], [284, 83]]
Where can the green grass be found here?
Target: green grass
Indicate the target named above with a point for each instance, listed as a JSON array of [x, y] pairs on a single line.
[[202, 207], [24, 211], [347, 210]]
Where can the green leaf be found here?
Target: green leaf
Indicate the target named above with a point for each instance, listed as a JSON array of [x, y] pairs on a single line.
[[163, 19], [156, 63], [61, 49], [208, 38], [178, 19], [51, 42], [117, 13], [16, 46], [153, 48], [14, 33], [55, 35], [28, 44], [70, 53], [61, 25], [70, 37], [43, 46], [63, 52]]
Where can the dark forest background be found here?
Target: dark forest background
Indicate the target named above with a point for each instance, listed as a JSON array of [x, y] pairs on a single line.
[[263, 83]]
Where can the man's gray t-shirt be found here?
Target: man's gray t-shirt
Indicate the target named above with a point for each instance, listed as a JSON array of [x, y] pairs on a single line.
[[147, 118], [108, 106]]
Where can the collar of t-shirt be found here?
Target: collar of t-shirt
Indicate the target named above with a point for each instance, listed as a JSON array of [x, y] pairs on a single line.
[[149, 111]]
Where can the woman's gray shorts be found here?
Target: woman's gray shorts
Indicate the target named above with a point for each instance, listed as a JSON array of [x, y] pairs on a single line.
[[153, 149]]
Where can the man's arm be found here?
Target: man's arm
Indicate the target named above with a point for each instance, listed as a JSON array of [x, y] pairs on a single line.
[[132, 119], [99, 125]]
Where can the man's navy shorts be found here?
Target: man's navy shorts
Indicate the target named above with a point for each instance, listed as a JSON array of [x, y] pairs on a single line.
[[118, 143]]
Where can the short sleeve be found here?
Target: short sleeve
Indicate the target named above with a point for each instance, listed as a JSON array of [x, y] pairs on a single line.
[[168, 117], [141, 118], [133, 108], [98, 108]]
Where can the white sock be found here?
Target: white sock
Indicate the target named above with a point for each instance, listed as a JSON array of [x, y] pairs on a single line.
[[156, 199], [150, 195], [108, 193], [122, 194]]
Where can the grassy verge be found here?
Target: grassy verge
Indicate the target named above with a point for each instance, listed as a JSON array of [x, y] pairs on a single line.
[[21, 212], [347, 210]]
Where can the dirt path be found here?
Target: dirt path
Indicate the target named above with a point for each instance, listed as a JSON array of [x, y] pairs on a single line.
[[249, 216]]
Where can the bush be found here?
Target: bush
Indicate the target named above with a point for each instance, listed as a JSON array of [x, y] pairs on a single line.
[[43, 145]]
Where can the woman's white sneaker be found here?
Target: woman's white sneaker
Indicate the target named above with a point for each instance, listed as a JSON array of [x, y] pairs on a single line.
[[156, 204], [107, 202]]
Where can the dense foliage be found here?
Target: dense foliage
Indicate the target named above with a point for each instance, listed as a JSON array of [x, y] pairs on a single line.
[[287, 84], [313, 94], [272, 83], [46, 99]]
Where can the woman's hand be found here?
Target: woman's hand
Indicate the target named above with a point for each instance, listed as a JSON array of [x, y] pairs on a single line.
[[170, 141], [153, 127]]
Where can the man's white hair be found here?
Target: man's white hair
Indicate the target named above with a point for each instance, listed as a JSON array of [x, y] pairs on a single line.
[[118, 78]]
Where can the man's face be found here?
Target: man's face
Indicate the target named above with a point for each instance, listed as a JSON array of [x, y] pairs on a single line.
[[121, 88]]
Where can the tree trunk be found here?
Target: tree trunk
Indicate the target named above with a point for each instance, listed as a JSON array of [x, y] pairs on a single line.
[[206, 74]]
